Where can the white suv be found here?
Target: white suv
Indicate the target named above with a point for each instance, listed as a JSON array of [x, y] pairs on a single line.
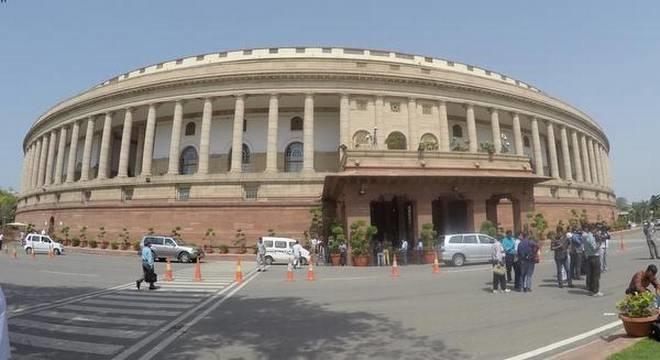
[[458, 249], [42, 244]]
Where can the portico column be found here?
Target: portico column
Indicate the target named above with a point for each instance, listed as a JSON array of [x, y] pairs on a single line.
[[42, 160], [576, 157], [150, 130], [606, 166], [50, 158], [37, 163], [175, 140], [308, 134], [495, 128], [124, 151], [552, 148], [568, 171], [73, 152], [444, 126], [60, 156], [32, 152], [104, 153], [139, 150], [592, 162], [87, 149], [517, 135], [536, 140], [586, 166], [473, 146], [273, 117], [26, 166], [412, 125], [205, 137], [599, 167], [237, 135], [378, 119]]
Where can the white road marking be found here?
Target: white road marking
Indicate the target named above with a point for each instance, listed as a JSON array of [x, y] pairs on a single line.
[[132, 304], [63, 344], [71, 329], [102, 319], [156, 299], [106, 310]]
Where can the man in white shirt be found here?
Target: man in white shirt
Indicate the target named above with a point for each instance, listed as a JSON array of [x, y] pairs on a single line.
[[296, 254], [404, 251], [420, 251], [2, 239]]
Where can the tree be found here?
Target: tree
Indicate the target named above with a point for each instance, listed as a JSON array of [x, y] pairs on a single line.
[[8, 202], [622, 204]]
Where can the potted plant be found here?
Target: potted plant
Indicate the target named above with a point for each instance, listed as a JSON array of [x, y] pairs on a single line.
[[66, 231], [101, 238], [208, 237], [114, 245], [361, 234], [240, 241], [223, 249], [93, 244], [338, 237], [75, 242], [488, 147], [428, 236], [136, 245], [83, 236], [638, 312], [126, 239]]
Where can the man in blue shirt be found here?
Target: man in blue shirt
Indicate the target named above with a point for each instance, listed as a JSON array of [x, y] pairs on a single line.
[[148, 273], [592, 253], [509, 245]]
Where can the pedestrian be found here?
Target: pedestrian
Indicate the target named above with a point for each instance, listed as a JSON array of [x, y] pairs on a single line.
[[2, 239], [261, 255], [296, 254], [404, 251], [380, 255], [576, 250], [528, 255], [5, 350], [641, 281], [560, 246], [604, 245], [342, 254], [499, 270], [517, 273], [509, 246], [592, 254], [420, 252], [648, 233], [148, 271]]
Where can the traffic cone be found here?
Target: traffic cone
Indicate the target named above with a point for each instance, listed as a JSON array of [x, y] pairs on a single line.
[[168, 271], [310, 272], [14, 254], [622, 247], [198, 271], [436, 265], [239, 272], [289, 272], [395, 268]]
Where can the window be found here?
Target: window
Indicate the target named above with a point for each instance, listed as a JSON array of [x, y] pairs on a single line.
[[280, 244], [426, 109], [87, 195], [273, 50], [268, 243], [470, 239], [456, 239], [190, 129], [157, 241], [246, 156], [396, 141], [296, 123], [199, 57], [361, 64], [127, 194], [169, 242], [188, 161], [526, 141], [300, 50], [244, 125], [361, 105], [293, 157], [362, 138], [183, 193], [428, 142], [395, 106], [486, 239], [457, 131], [250, 191]]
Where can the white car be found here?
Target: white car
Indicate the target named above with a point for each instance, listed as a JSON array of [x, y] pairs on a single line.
[[280, 250], [42, 244], [457, 249]]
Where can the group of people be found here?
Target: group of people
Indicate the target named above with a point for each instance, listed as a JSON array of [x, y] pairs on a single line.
[[520, 254]]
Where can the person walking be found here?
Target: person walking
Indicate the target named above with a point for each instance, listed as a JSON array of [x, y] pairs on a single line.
[[2, 239], [560, 246], [592, 254], [509, 246], [404, 251], [499, 270], [261, 255], [576, 250], [296, 254], [420, 252], [648, 233], [527, 253], [604, 245], [380, 255], [342, 254], [148, 272], [517, 273]]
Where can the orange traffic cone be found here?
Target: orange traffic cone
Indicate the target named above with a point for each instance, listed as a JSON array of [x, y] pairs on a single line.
[[198, 271], [14, 254], [289, 272], [168, 271], [622, 247], [395, 268], [310, 272], [436, 265], [239, 272]]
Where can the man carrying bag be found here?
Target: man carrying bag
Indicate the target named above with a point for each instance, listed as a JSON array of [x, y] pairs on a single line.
[[148, 273]]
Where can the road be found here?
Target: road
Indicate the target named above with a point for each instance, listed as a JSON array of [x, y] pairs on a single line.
[[347, 313]]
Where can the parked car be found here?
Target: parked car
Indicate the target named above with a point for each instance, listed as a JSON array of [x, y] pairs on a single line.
[[457, 249], [41, 244], [280, 250], [169, 247]]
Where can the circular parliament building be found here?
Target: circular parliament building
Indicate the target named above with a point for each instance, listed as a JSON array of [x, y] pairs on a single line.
[[255, 139]]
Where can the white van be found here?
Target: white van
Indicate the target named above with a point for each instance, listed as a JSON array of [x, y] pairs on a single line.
[[280, 250]]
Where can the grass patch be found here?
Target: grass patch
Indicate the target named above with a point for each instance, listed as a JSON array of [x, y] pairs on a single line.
[[646, 349]]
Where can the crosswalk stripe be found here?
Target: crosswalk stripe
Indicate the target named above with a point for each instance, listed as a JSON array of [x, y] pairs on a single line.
[[160, 293], [102, 319], [150, 298], [63, 344], [135, 304], [105, 310], [70, 329], [193, 285], [178, 289]]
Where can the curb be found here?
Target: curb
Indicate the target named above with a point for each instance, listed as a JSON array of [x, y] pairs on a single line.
[[106, 252]]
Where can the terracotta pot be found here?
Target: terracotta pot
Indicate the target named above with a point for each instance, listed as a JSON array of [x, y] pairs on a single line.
[[638, 327], [361, 260], [429, 257], [334, 259], [104, 244]]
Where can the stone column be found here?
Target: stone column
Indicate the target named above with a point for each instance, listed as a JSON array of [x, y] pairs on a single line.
[[87, 149], [378, 119], [60, 156], [586, 165], [552, 148], [445, 139], [344, 120], [26, 166], [42, 160], [308, 134], [36, 164], [576, 157], [149, 132], [73, 152], [592, 162], [139, 150], [104, 153], [536, 143], [51, 158], [473, 145], [175, 140], [273, 119], [205, 137], [495, 129], [237, 135], [606, 166], [517, 135], [599, 168], [125, 149], [413, 140], [566, 155]]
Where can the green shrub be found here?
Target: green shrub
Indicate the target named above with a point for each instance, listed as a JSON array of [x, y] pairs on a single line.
[[637, 305], [361, 234], [93, 244], [488, 228], [428, 236], [136, 245], [75, 242], [223, 249], [114, 245]]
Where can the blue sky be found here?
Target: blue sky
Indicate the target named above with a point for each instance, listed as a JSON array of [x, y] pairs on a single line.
[[601, 56]]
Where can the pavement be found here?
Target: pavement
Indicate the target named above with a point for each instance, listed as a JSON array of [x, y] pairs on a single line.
[[347, 313]]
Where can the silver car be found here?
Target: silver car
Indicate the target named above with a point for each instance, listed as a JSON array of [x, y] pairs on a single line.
[[169, 247], [458, 249]]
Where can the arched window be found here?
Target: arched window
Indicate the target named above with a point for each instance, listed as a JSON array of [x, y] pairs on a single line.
[[428, 142], [293, 157], [457, 131], [246, 156], [188, 161], [396, 141], [361, 138], [526, 141], [246, 159], [296, 123], [190, 129]]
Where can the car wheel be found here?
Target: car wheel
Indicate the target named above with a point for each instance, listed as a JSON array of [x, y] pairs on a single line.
[[57, 252], [458, 260], [184, 257], [269, 260], [28, 251]]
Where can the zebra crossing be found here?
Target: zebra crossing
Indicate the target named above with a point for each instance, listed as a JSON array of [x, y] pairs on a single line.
[[114, 324]]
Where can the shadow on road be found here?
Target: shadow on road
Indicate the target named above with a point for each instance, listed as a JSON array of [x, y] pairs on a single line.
[[21, 296], [292, 328]]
